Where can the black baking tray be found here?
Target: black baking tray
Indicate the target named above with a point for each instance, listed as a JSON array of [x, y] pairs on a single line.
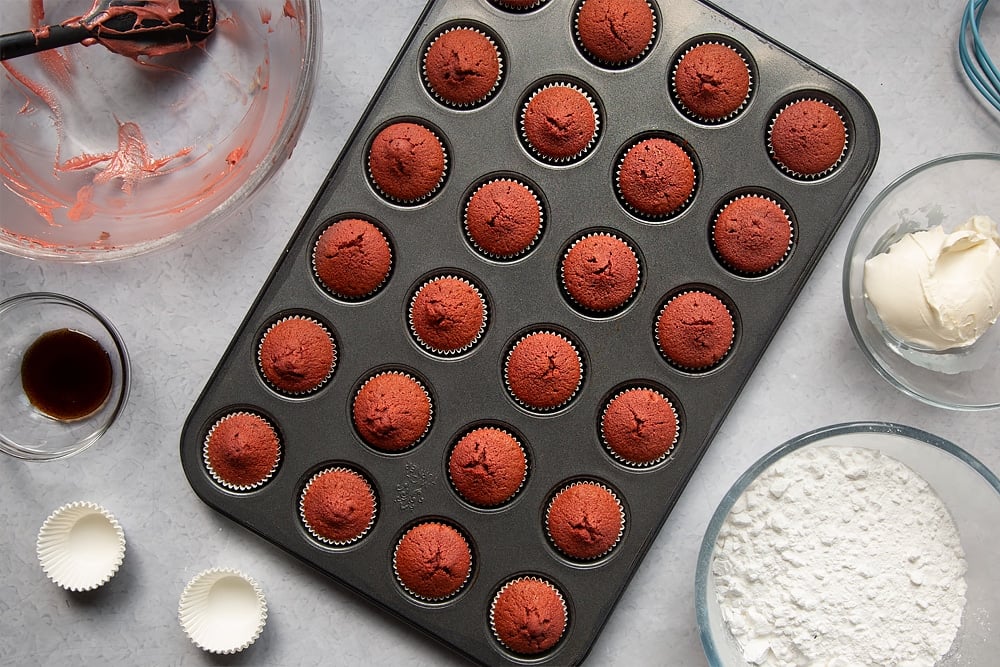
[[317, 430]]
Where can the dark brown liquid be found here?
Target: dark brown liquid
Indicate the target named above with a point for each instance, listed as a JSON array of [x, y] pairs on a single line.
[[66, 374]]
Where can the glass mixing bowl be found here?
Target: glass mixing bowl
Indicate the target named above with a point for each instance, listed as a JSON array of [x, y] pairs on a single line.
[[966, 487], [104, 157], [946, 191]]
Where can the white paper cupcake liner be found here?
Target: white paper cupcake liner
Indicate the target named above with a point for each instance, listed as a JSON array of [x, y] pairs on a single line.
[[624, 64], [410, 591], [322, 538], [468, 346], [548, 159], [495, 256], [604, 311], [651, 217], [222, 611], [322, 383], [705, 120], [424, 197], [345, 297], [430, 407], [555, 589], [788, 249], [656, 334], [630, 462], [229, 485], [463, 105], [791, 172], [80, 546], [621, 512], [533, 408]]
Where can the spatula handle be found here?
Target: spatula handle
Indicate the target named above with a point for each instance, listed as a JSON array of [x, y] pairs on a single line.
[[26, 42]]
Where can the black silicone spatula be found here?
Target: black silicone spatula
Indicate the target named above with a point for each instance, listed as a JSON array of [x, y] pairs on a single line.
[[128, 27]]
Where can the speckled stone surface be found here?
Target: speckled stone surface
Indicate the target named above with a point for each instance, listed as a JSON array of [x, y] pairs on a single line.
[[178, 309]]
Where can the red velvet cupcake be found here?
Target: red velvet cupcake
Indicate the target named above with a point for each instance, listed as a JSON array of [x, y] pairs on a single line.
[[559, 123], [392, 411], [487, 466], [615, 32], [543, 371], [338, 506], [752, 234], [447, 315], [242, 451], [407, 162], [639, 427], [352, 259], [528, 615], [432, 561], [695, 330], [600, 272], [656, 178], [503, 219], [462, 67], [297, 355], [585, 520], [711, 82], [807, 138]]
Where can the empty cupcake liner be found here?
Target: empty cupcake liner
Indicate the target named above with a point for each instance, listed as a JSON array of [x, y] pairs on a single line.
[[80, 546], [468, 346], [524, 477], [605, 311], [621, 511], [597, 60], [792, 172], [240, 487], [722, 260], [533, 408], [463, 105], [423, 388], [630, 462], [418, 200], [409, 591], [690, 113], [312, 531], [579, 154], [346, 297], [495, 256], [649, 217], [322, 383], [503, 589], [656, 336], [222, 611]]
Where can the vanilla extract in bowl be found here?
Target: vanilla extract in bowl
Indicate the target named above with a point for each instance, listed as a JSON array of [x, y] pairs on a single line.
[[66, 374]]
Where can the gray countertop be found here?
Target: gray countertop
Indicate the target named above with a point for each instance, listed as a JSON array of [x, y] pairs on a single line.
[[178, 308]]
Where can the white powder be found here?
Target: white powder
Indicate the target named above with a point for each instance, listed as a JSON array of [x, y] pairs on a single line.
[[840, 556]]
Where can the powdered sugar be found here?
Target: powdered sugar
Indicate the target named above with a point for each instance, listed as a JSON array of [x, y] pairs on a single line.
[[840, 556]]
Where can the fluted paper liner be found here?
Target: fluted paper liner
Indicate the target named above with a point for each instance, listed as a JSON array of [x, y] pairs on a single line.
[[81, 546], [222, 610]]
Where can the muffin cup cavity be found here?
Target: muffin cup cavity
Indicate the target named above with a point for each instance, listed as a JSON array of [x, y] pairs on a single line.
[[615, 64], [526, 247], [805, 175], [694, 115], [220, 479], [443, 352], [621, 514], [270, 382], [326, 540], [536, 151], [732, 266], [649, 215], [542, 409], [485, 97], [633, 463]]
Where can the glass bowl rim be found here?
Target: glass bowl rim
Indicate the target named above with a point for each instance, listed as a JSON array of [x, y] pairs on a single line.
[[874, 361], [707, 549], [17, 450], [268, 167]]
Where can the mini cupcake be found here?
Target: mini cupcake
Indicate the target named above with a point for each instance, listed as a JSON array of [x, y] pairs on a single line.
[[656, 178], [352, 259], [297, 355], [615, 33], [695, 331], [462, 67], [585, 520], [338, 506], [711, 82], [807, 139], [80, 546], [639, 427], [518, 5], [222, 611], [559, 123], [487, 466], [543, 371], [503, 219], [242, 451], [752, 234], [392, 411], [432, 561], [407, 162], [600, 272], [528, 615], [447, 315]]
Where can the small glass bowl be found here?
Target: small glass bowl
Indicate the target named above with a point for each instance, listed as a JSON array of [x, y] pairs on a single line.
[[25, 432], [104, 157], [946, 191], [966, 487]]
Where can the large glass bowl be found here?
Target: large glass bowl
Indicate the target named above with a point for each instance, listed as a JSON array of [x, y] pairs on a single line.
[[967, 488], [104, 157], [946, 191]]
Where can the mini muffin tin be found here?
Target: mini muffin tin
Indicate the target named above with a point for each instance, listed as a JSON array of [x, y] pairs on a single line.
[[618, 349]]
